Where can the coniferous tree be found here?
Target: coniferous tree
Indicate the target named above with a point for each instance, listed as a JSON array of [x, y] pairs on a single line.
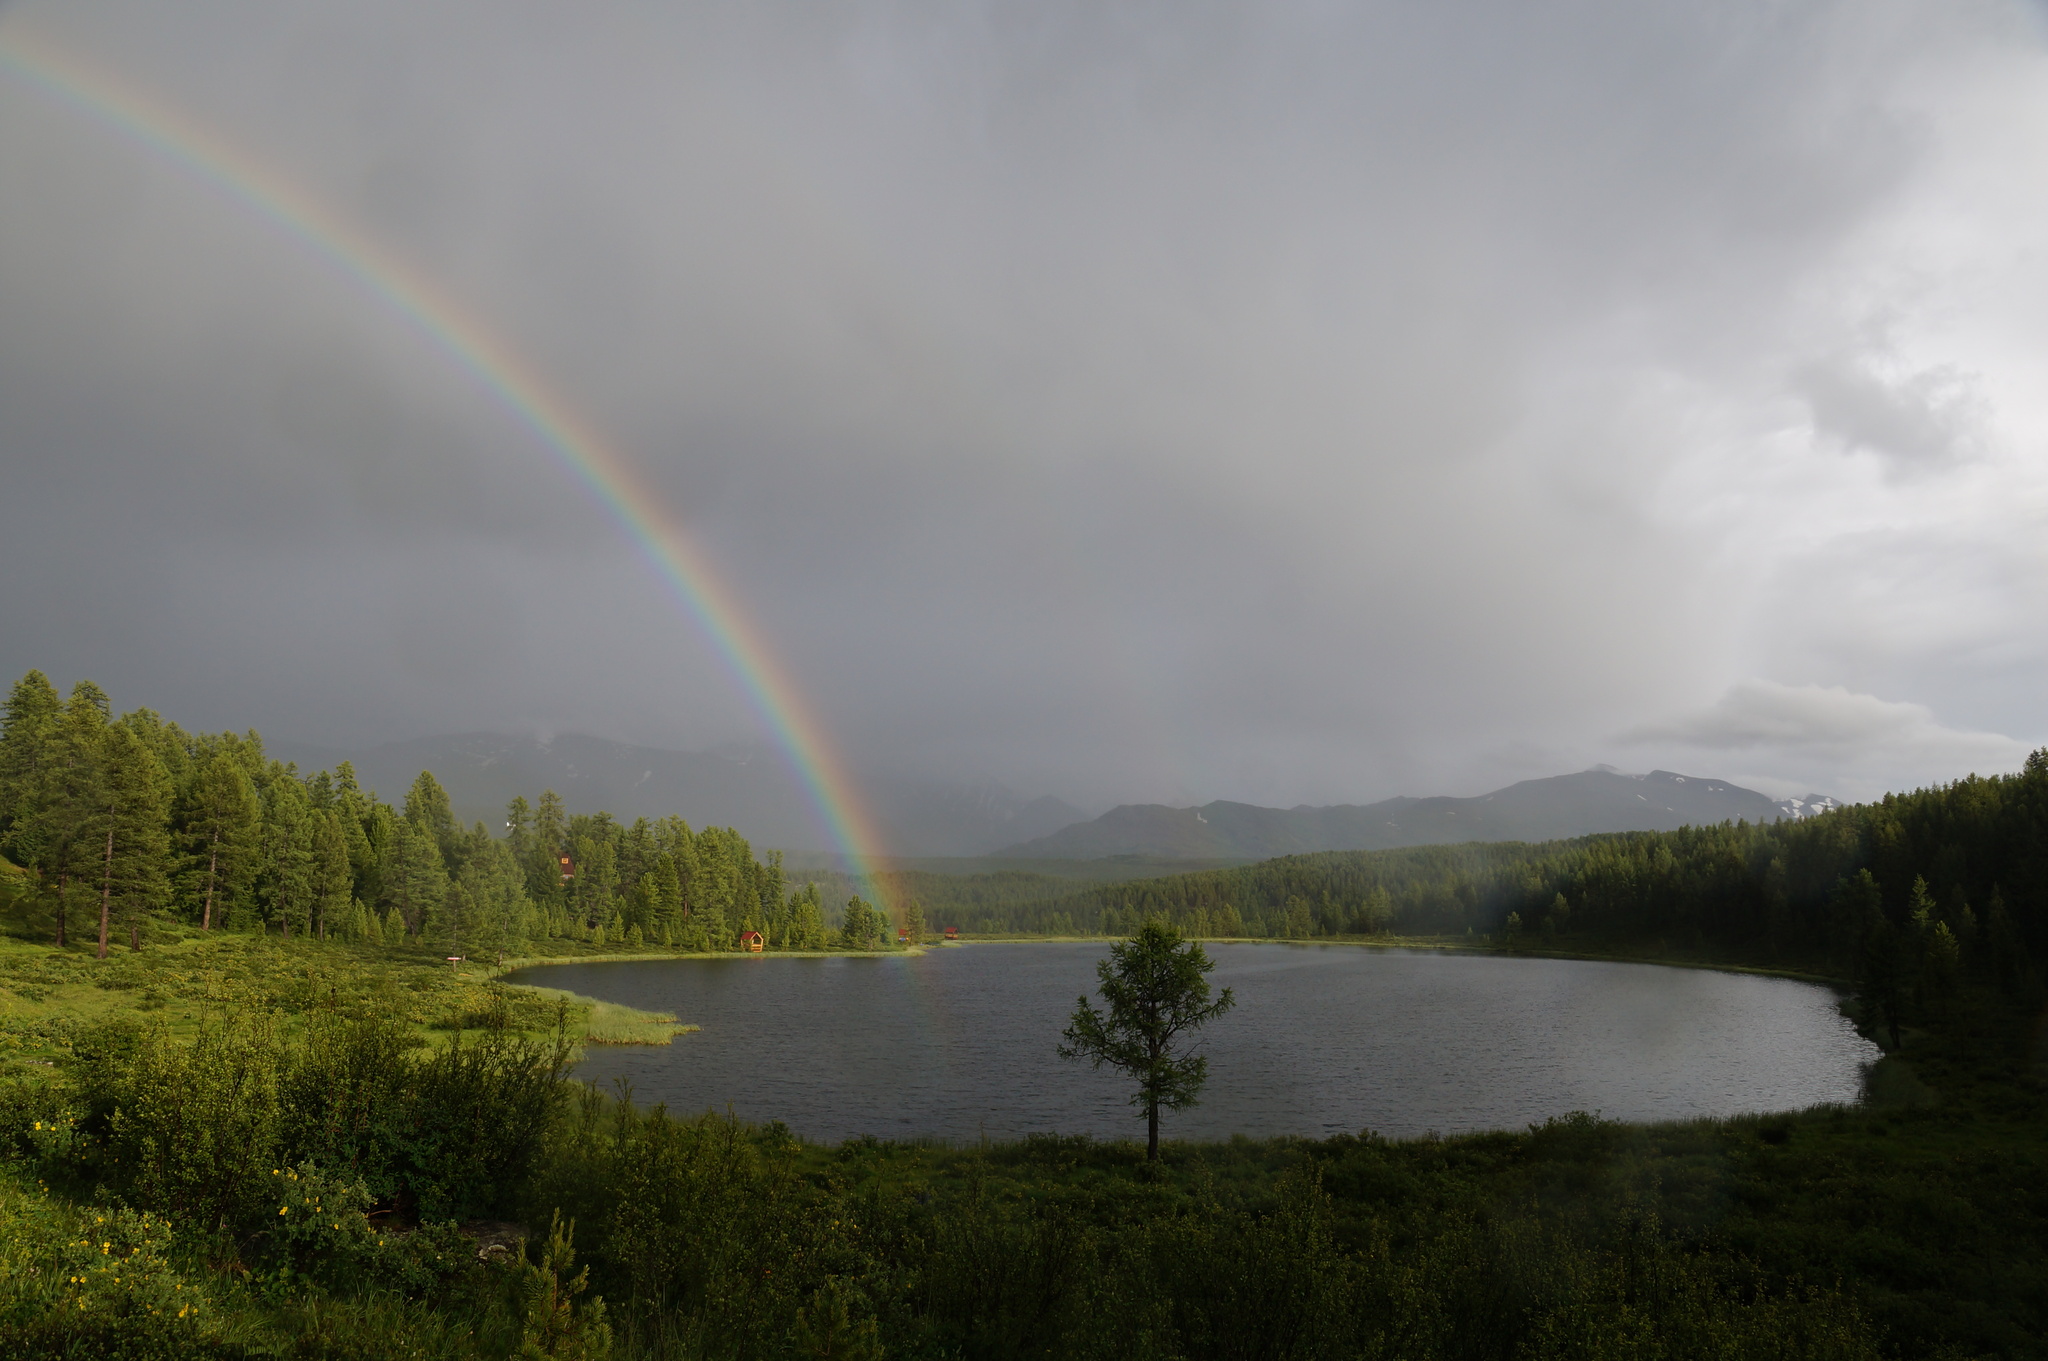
[[219, 821], [333, 877], [415, 880], [287, 884], [494, 884], [550, 842], [597, 879], [380, 832], [73, 793], [1376, 911], [712, 889], [519, 830], [170, 744], [353, 807], [28, 742], [2005, 951], [862, 926], [456, 919], [351, 811], [636, 851], [133, 822], [806, 919], [1155, 991], [427, 809], [665, 898], [770, 883]]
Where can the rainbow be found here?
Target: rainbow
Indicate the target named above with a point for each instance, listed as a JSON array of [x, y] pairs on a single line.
[[118, 106]]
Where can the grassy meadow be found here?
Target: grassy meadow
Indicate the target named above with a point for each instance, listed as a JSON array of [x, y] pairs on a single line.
[[228, 1145]]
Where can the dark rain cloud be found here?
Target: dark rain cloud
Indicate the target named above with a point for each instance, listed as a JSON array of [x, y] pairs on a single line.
[[1285, 402]]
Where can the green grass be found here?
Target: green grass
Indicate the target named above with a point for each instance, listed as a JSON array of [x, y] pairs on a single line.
[[610, 1023], [48, 996], [1914, 1223]]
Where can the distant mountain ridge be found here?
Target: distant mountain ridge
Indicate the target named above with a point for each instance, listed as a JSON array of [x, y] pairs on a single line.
[[1597, 800], [750, 789]]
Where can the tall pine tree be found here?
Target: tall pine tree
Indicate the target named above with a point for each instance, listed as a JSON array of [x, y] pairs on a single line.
[[415, 880], [426, 808], [132, 822], [334, 880], [72, 795], [28, 743], [287, 882], [219, 819]]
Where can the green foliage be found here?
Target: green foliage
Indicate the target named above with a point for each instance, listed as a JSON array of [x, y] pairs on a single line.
[[827, 1328], [218, 815], [1918, 897], [1156, 989], [862, 926], [552, 1323], [131, 818], [274, 1159], [806, 920], [1842, 1233], [96, 1282], [202, 1130], [153, 826], [185, 1129]]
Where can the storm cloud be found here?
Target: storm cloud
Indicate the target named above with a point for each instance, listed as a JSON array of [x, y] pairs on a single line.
[[1283, 402]]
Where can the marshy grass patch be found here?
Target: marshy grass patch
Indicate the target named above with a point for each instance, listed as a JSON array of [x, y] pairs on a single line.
[[609, 1023], [595, 1022]]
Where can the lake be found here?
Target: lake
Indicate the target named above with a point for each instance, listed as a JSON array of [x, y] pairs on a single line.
[[958, 1042]]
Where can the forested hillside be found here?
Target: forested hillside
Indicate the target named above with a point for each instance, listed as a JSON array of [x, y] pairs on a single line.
[[130, 822], [1551, 809], [1956, 873], [320, 1141]]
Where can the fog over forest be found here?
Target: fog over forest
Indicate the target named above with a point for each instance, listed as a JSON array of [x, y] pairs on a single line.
[[1283, 403]]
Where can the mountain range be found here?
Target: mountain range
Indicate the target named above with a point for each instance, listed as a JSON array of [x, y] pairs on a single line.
[[1597, 800], [755, 791], [750, 789]]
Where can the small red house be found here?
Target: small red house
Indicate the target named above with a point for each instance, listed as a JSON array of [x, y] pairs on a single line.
[[751, 940], [952, 933], [568, 870]]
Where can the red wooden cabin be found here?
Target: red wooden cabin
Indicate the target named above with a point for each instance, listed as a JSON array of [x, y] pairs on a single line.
[[751, 940]]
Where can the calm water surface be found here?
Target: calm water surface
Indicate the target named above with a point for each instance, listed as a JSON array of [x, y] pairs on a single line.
[[1325, 1039]]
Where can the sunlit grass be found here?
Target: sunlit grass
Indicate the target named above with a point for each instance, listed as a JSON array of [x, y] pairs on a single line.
[[610, 1023]]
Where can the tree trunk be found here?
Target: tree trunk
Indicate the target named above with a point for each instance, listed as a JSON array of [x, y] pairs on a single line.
[[1152, 1132], [63, 888], [212, 873], [106, 892], [135, 936]]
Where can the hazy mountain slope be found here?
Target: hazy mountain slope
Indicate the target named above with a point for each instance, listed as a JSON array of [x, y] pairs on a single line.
[[1534, 810], [752, 790]]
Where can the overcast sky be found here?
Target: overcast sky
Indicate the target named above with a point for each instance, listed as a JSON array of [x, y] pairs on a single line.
[[1287, 402]]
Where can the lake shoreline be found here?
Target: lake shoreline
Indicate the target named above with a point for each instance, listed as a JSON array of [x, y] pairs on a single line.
[[1436, 944], [953, 1047]]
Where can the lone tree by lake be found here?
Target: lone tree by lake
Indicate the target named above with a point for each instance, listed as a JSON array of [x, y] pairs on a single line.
[[1157, 991]]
